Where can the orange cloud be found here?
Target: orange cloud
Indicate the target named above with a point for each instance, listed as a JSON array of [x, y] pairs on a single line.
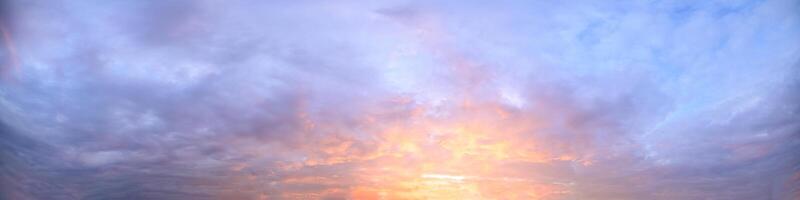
[[401, 150]]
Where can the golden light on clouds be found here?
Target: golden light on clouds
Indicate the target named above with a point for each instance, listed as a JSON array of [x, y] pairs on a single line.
[[461, 152]]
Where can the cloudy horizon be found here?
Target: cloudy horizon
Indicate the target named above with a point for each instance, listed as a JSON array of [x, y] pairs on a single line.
[[400, 100]]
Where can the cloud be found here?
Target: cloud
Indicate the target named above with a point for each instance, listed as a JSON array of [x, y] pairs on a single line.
[[409, 100]]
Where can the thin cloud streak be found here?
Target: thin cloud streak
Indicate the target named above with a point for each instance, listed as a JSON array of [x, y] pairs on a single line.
[[13, 61]]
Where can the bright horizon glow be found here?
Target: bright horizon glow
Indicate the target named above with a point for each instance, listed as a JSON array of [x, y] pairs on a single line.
[[442, 176]]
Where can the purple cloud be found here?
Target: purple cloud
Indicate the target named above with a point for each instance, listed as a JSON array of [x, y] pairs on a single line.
[[399, 100]]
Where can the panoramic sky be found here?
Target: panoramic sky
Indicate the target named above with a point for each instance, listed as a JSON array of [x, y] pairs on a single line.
[[538, 100]]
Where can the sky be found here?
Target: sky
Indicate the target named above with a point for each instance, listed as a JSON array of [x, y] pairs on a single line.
[[395, 99]]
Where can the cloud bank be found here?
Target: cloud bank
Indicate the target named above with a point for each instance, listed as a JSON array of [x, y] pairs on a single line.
[[399, 100]]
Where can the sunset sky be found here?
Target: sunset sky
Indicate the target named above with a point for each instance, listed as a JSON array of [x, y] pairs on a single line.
[[396, 99]]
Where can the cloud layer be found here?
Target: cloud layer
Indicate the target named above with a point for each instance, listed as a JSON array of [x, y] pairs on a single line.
[[400, 100]]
